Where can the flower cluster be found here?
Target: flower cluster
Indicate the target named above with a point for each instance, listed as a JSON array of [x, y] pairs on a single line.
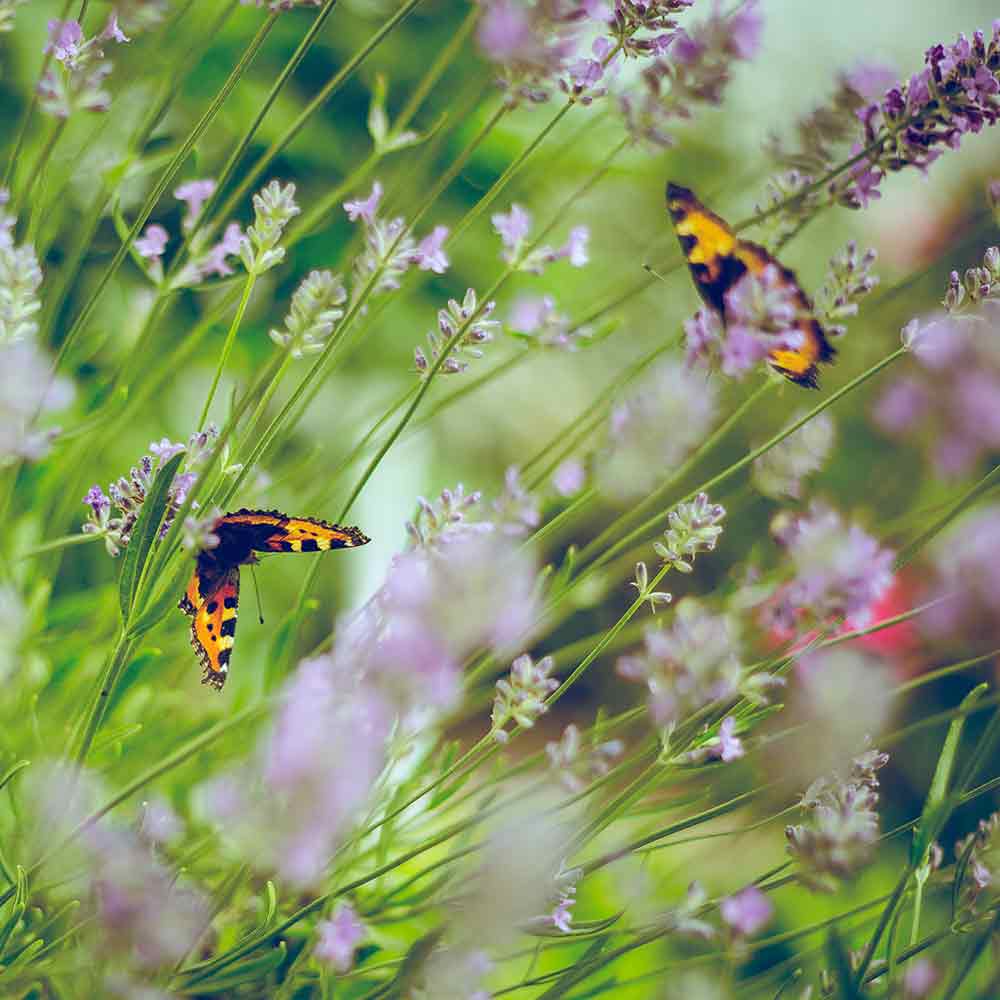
[[696, 661], [519, 251], [128, 493], [469, 317], [446, 521], [979, 860], [763, 312], [956, 93], [339, 937], [521, 697], [516, 508], [966, 584], [274, 207], [696, 72], [146, 917], [536, 320], [287, 808], [840, 570], [746, 912], [576, 764], [20, 278], [29, 388], [842, 826], [692, 528], [642, 28], [848, 279], [76, 81], [206, 261], [533, 43], [655, 429], [901, 124], [390, 250], [951, 401], [314, 313], [779, 472]]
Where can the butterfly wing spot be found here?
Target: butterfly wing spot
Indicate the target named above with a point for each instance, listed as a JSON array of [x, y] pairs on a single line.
[[718, 259], [213, 630], [302, 534]]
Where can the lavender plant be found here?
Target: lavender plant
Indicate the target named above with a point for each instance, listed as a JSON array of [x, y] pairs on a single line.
[[575, 731]]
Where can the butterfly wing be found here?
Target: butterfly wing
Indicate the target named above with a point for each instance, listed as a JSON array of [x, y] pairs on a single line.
[[717, 259], [707, 243], [272, 531], [213, 629], [799, 365]]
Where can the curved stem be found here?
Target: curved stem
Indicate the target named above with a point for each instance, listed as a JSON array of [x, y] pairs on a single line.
[[226, 348]]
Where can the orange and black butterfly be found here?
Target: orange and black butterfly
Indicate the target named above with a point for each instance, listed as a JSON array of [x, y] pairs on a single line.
[[212, 597], [718, 258]]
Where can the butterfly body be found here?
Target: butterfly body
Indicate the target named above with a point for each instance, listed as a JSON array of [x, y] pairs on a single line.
[[212, 595], [718, 259]]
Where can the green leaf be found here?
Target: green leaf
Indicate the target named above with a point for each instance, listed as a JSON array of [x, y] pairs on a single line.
[[17, 907], [163, 602], [13, 770], [144, 534], [414, 962], [272, 906], [253, 970], [939, 804]]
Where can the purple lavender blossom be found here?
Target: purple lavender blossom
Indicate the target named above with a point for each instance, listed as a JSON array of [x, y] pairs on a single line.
[[654, 429], [747, 912], [194, 194], [697, 71], [966, 577], [534, 43], [365, 208], [920, 977], [516, 509], [430, 255], [730, 746], [697, 660], [288, 807], [153, 242], [65, 38], [214, 262], [569, 478], [339, 938], [841, 830], [513, 229], [840, 570]]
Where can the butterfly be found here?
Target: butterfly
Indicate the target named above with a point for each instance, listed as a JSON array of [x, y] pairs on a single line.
[[718, 258], [212, 597]]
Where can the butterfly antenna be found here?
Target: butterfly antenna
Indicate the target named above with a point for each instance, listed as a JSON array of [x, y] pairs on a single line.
[[652, 270], [256, 590]]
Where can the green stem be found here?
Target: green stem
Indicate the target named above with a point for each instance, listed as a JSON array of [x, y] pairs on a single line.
[[94, 713], [265, 399], [178, 161], [22, 132], [227, 347], [241, 147], [38, 171], [322, 96], [59, 543]]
